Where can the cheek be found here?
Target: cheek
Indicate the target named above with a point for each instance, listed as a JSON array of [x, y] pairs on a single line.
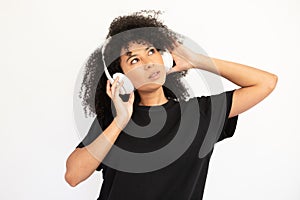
[[137, 77]]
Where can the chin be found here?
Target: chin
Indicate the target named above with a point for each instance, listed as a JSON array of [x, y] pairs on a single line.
[[151, 87]]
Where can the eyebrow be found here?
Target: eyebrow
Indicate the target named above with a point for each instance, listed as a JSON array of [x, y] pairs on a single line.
[[130, 55]]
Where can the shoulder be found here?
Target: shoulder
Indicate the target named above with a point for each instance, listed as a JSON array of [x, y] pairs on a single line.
[[215, 102]]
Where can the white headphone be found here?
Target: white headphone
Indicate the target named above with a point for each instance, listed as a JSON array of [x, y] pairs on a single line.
[[128, 87]]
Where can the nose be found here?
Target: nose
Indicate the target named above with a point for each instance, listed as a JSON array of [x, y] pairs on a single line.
[[148, 63], [148, 66]]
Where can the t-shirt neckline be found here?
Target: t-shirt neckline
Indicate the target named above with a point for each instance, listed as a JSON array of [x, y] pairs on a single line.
[[155, 107]]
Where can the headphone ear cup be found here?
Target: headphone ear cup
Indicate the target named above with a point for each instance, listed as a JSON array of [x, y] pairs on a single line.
[[127, 87], [167, 59]]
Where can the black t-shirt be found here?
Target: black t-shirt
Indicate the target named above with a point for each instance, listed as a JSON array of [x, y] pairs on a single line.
[[180, 136]]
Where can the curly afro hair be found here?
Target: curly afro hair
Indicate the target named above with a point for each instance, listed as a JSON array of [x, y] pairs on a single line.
[[143, 27]]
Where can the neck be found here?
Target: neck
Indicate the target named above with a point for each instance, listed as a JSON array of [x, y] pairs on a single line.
[[152, 98]]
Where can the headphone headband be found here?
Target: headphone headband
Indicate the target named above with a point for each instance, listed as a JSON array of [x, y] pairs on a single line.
[[105, 67]]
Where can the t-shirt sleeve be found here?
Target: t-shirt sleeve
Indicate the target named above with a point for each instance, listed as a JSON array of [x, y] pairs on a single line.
[[216, 109], [230, 123], [92, 134]]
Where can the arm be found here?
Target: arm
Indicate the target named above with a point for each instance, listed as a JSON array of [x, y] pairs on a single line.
[[255, 84], [83, 161]]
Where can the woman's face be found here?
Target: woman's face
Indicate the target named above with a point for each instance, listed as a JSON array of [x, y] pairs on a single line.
[[143, 65]]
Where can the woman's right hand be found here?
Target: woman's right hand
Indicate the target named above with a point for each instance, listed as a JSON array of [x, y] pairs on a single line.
[[123, 109]]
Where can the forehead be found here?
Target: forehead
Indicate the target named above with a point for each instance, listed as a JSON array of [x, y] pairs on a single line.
[[134, 47]]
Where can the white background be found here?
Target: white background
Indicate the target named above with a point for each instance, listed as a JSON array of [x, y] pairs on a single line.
[[44, 44]]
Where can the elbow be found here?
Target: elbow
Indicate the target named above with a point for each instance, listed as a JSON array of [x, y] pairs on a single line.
[[70, 179], [268, 83], [72, 172], [272, 82]]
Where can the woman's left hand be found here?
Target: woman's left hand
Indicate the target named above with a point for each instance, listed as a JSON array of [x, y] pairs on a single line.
[[183, 58]]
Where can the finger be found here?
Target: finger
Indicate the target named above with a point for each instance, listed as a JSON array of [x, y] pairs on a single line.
[[178, 55], [118, 88], [177, 43], [113, 87], [108, 91], [173, 69], [131, 98]]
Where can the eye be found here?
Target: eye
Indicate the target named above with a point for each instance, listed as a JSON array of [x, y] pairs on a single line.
[[134, 61], [151, 51]]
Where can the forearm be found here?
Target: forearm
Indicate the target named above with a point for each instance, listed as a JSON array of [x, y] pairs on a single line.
[[83, 161], [239, 74]]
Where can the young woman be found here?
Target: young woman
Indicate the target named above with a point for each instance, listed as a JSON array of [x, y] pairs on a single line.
[[157, 117]]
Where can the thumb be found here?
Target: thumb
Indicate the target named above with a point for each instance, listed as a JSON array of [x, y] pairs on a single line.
[[173, 69], [131, 98]]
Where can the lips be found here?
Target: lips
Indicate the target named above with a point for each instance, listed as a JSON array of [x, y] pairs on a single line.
[[154, 75]]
